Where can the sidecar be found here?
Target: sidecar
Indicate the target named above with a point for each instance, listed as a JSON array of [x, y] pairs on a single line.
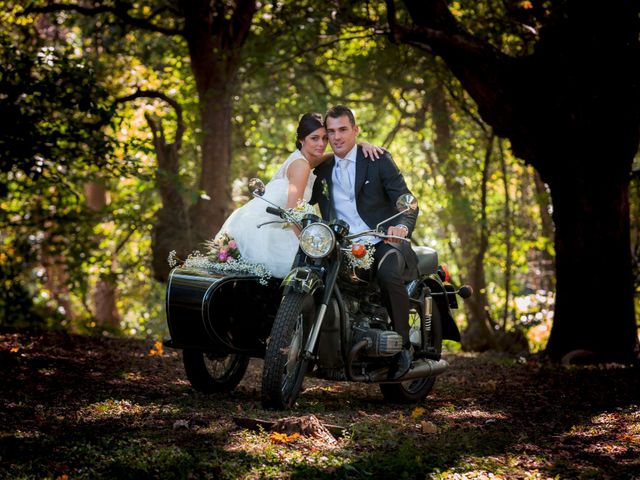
[[219, 321]]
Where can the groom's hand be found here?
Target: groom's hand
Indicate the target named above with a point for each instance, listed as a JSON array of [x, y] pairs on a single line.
[[398, 231]]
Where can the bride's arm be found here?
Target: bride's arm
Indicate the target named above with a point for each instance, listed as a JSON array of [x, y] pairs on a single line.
[[371, 151], [298, 175]]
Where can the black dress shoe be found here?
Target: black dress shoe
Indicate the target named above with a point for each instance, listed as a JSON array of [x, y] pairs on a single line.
[[401, 364]]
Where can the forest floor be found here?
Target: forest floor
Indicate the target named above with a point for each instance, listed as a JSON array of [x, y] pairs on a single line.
[[85, 407]]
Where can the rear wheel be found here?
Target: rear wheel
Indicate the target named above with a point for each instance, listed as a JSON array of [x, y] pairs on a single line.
[[284, 365], [209, 373], [416, 390]]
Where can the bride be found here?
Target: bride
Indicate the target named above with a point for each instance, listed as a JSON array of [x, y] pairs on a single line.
[[273, 245]]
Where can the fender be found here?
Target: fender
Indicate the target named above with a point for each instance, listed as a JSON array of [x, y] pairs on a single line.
[[449, 328], [302, 280]]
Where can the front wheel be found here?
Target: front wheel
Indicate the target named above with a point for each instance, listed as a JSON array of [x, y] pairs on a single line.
[[208, 373], [416, 390], [284, 365]]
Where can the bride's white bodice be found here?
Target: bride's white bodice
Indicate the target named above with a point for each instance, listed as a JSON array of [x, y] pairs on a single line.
[[277, 190]]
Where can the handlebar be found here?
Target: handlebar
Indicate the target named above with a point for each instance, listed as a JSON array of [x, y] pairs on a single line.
[[283, 214], [376, 233], [275, 211]]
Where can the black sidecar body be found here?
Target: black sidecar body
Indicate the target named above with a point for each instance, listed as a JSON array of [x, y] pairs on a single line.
[[222, 314]]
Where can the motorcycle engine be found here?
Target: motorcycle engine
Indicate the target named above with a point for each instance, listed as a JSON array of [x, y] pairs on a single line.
[[380, 343]]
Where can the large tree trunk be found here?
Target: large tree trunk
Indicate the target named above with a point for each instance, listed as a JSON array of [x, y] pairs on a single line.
[[208, 213], [593, 254], [571, 109]]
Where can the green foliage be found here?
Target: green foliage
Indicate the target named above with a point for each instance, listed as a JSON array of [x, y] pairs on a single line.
[[55, 139], [56, 109], [71, 126], [66, 135]]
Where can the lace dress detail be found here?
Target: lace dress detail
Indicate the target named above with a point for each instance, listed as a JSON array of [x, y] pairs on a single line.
[[271, 245]]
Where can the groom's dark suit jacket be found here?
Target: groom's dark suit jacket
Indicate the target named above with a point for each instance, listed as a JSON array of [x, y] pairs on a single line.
[[378, 185]]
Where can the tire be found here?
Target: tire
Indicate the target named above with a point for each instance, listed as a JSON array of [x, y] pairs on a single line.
[[284, 367], [211, 374], [416, 390]]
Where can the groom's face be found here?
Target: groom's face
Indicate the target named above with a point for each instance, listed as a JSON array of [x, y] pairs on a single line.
[[342, 135]]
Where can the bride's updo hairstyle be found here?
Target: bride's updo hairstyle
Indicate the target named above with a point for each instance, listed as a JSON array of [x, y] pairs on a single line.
[[309, 122]]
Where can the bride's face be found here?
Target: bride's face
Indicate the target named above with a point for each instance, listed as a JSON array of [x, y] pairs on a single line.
[[314, 145]]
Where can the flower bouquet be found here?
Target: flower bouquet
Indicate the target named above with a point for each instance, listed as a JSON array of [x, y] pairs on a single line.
[[360, 255], [222, 257], [223, 249]]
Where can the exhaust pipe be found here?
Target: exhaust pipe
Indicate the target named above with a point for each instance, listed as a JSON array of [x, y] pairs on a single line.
[[420, 368]]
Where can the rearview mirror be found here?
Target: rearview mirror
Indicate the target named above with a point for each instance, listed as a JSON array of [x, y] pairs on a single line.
[[256, 187], [406, 202]]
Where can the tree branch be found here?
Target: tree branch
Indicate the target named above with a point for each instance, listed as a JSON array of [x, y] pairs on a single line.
[[162, 96], [120, 10], [240, 24], [483, 70]]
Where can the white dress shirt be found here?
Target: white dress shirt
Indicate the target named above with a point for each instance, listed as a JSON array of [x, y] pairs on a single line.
[[344, 202]]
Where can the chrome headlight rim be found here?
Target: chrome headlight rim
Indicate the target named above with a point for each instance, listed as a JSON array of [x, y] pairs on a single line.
[[327, 249]]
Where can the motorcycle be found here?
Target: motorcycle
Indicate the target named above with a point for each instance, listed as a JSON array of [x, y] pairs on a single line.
[[325, 319]]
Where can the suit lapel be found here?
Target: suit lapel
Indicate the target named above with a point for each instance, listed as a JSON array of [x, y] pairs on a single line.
[[326, 174], [361, 170]]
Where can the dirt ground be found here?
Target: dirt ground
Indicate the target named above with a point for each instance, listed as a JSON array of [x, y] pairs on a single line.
[[104, 407]]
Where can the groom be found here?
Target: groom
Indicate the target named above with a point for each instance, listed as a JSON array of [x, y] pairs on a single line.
[[363, 192]]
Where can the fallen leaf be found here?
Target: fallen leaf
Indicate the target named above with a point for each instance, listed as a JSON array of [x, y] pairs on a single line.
[[629, 438], [428, 427], [417, 412], [283, 437], [490, 385], [180, 424], [157, 349], [14, 349]]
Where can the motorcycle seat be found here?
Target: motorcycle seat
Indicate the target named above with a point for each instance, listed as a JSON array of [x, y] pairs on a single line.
[[427, 260]]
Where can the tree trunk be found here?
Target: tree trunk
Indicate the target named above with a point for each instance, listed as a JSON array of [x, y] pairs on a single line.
[[209, 212], [56, 283], [593, 254], [105, 309], [508, 261], [172, 228], [571, 109]]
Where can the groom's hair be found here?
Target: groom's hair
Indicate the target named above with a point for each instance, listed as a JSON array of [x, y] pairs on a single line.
[[340, 111]]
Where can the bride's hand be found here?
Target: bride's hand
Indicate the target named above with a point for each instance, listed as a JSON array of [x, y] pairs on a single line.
[[371, 151]]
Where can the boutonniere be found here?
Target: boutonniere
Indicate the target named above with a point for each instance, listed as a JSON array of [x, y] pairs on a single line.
[[325, 188]]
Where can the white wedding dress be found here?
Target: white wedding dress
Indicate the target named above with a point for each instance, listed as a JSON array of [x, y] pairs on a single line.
[[270, 245]]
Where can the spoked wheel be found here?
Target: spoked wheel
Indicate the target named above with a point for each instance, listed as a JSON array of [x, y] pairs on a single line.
[[284, 365], [208, 373], [417, 389]]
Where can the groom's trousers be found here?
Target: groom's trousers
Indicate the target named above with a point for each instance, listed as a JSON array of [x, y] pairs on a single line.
[[391, 273]]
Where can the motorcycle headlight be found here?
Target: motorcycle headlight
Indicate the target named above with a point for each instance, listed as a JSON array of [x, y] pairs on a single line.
[[317, 240]]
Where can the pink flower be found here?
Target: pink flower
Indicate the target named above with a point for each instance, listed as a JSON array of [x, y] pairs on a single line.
[[224, 249], [222, 256], [233, 244]]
